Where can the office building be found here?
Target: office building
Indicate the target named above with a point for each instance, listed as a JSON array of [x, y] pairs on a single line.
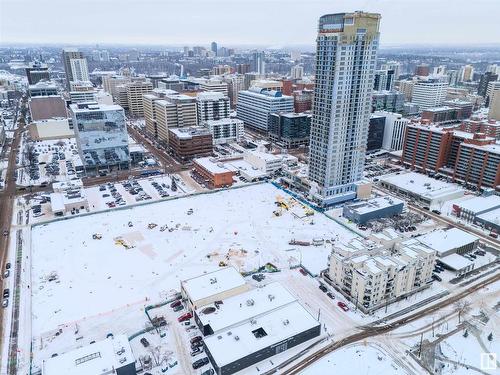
[[212, 105], [429, 93], [384, 80], [82, 96], [213, 48], [135, 90], [394, 130], [111, 82], [235, 84], [394, 66], [259, 63], [168, 109], [255, 105], [42, 88], [391, 101], [446, 114], [101, 135], [486, 78], [373, 209], [225, 130], [36, 72], [406, 88], [297, 72], [216, 84], [341, 108], [372, 277], [76, 71], [492, 86], [290, 129], [190, 142], [242, 68], [375, 133]]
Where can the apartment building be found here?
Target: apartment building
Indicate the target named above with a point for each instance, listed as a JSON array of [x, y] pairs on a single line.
[[212, 105], [394, 130], [225, 130], [135, 91], [372, 277], [429, 93], [490, 128]]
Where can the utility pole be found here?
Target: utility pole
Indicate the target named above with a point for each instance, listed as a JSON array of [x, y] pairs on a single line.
[[420, 349], [319, 314]]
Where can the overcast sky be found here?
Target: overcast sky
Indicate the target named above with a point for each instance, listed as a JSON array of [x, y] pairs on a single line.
[[272, 23]]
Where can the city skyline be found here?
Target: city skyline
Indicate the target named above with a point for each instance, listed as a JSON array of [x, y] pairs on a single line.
[[117, 22]]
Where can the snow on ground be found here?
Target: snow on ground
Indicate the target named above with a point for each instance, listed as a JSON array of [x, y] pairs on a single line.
[[356, 359], [94, 277]]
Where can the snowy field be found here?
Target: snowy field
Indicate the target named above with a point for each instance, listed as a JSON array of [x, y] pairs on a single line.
[[93, 277], [356, 359]]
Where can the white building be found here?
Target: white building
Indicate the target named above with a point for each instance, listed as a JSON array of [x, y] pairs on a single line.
[[394, 130], [212, 105], [268, 163], [297, 72], [373, 277], [419, 187], [79, 69], [347, 46], [225, 130], [213, 286], [255, 105], [451, 241], [82, 96], [252, 326], [429, 93], [109, 356]]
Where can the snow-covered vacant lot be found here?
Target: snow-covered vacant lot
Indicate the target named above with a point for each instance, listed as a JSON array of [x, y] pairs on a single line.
[[98, 277]]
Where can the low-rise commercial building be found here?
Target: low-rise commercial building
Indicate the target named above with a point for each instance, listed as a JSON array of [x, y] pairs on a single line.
[[109, 356], [376, 208], [423, 189], [470, 209], [215, 173], [212, 286], [47, 107], [451, 241], [55, 128]]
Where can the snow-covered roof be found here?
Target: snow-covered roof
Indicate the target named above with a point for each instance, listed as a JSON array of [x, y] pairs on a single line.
[[479, 205], [422, 185], [212, 283], [375, 204], [446, 240], [211, 166], [456, 262], [95, 359], [236, 342], [57, 202], [242, 307], [492, 216]]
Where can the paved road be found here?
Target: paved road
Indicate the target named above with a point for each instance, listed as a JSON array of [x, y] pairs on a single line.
[[7, 196]]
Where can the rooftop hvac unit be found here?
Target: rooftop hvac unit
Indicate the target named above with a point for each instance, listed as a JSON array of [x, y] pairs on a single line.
[[236, 338], [270, 296], [219, 337], [250, 302], [229, 333], [253, 321], [286, 322], [213, 281]]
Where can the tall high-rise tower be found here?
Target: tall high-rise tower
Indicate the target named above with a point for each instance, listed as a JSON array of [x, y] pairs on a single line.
[[213, 47], [75, 66], [346, 54]]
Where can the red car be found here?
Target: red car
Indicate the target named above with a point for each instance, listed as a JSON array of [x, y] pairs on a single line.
[[343, 306], [184, 317], [175, 303], [303, 271]]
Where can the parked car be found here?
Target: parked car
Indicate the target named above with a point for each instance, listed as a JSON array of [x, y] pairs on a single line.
[[196, 339], [178, 308], [330, 294], [184, 317], [6, 274], [437, 212], [210, 371], [323, 288], [200, 363], [436, 277], [5, 302], [7, 266], [144, 342], [196, 351], [303, 271], [343, 306]]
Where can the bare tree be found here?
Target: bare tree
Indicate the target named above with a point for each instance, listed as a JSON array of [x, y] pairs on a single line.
[[462, 307]]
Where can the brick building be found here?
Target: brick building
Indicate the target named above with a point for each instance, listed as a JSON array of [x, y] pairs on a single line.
[[190, 142]]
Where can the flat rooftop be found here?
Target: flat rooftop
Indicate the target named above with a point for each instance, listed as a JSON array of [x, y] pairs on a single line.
[[99, 358], [456, 262], [251, 336], [478, 205], [212, 166], [445, 240], [422, 185], [375, 204], [242, 307], [492, 216], [189, 132], [213, 283]]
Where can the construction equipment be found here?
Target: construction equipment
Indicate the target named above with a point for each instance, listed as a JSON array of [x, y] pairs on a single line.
[[96, 236], [222, 264]]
